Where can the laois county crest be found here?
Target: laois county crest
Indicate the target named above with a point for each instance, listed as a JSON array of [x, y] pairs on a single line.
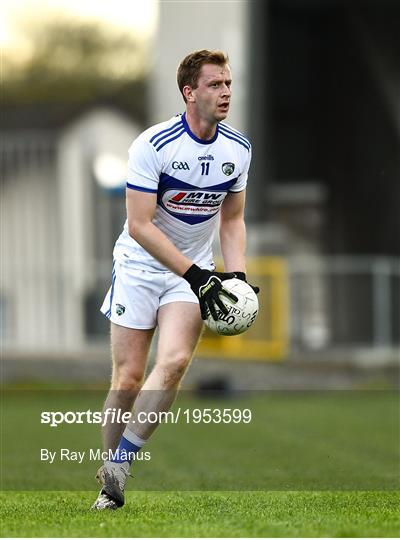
[[228, 168]]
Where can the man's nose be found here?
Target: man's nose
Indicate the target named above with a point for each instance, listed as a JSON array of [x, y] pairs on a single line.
[[226, 91]]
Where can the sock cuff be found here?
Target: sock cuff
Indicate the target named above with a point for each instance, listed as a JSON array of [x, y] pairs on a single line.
[[133, 438]]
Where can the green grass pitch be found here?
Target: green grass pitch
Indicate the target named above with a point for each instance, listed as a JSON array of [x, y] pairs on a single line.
[[212, 514], [309, 464]]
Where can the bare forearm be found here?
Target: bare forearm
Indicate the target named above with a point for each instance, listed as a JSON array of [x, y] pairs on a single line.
[[233, 245], [160, 247]]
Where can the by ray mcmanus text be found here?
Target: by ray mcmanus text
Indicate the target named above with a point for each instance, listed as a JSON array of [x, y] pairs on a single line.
[[92, 454]]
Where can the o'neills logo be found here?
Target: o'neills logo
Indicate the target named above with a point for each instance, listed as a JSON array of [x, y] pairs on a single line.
[[199, 203]]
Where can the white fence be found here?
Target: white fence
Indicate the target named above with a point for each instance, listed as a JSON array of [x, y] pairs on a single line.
[[55, 222], [344, 301]]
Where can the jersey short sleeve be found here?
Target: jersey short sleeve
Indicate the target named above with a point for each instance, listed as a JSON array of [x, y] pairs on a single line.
[[143, 167], [241, 182]]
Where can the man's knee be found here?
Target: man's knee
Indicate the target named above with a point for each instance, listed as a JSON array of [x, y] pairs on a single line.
[[174, 366], [126, 376]]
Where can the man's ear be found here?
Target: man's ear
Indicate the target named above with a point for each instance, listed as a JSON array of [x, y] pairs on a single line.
[[188, 93]]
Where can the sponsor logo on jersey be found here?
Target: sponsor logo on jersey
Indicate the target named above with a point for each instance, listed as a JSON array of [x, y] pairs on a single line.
[[181, 165], [120, 309], [228, 168], [199, 203], [206, 158]]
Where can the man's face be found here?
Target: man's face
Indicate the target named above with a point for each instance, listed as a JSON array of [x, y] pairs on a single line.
[[213, 93]]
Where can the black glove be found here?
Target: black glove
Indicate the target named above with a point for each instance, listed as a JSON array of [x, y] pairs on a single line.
[[207, 286], [242, 276]]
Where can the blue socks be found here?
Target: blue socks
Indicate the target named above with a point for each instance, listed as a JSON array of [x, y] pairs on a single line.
[[129, 445]]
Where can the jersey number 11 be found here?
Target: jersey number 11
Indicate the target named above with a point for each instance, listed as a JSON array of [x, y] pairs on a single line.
[[205, 167]]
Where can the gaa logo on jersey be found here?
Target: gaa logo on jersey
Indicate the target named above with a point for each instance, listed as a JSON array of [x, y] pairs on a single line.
[[181, 165], [228, 168], [198, 203]]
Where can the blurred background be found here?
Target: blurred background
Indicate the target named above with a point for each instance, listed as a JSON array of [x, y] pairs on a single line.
[[317, 90]]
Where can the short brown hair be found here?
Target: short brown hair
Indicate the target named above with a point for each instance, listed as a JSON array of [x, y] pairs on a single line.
[[190, 67]]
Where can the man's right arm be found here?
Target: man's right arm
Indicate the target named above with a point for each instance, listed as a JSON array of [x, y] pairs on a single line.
[[141, 207]]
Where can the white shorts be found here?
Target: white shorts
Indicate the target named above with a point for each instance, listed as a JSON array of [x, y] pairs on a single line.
[[135, 295]]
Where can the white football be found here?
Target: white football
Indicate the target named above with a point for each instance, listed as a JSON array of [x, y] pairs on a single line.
[[241, 314]]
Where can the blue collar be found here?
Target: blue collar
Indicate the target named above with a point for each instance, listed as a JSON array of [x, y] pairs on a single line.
[[193, 136]]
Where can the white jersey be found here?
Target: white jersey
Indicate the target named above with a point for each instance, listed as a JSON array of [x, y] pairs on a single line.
[[191, 178]]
